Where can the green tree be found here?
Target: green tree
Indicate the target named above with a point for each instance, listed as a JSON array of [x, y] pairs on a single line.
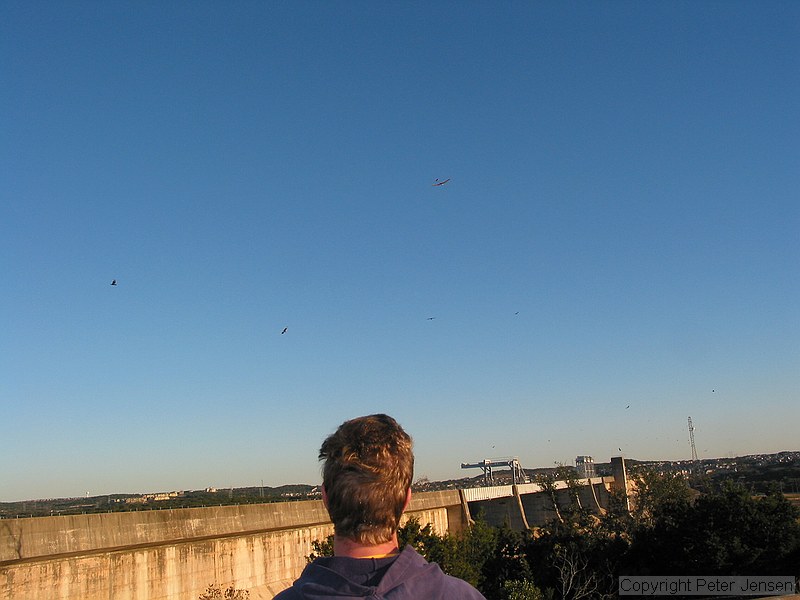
[[725, 532], [547, 483], [659, 497], [507, 562], [468, 551], [572, 561], [738, 534], [516, 589], [321, 548], [424, 540], [574, 511], [617, 521]]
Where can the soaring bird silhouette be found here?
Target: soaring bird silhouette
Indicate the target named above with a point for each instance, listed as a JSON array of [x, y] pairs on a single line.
[[285, 329], [430, 318], [114, 282], [438, 183]]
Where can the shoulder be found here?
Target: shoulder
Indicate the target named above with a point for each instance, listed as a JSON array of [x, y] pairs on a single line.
[[429, 581], [287, 594], [461, 589]]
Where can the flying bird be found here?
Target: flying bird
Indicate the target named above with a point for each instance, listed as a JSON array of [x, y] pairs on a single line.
[[285, 329], [627, 407], [438, 183], [430, 318], [114, 282]]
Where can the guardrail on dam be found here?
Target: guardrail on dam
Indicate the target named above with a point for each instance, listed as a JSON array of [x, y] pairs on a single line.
[[177, 554]]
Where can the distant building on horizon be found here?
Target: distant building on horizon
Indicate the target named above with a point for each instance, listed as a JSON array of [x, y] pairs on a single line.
[[585, 466]]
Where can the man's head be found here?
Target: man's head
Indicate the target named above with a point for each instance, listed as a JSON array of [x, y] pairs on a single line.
[[367, 473]]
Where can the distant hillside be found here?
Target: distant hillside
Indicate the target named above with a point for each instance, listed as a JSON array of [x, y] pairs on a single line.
[[759, 472], [157, 501]]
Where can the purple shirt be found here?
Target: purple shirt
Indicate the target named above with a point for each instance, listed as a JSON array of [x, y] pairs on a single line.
[[406, 576]]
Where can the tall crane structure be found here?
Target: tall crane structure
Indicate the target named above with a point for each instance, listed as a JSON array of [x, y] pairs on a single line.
[[691, 439], [517, 472]]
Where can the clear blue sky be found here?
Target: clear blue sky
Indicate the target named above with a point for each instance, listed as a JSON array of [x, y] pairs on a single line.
[[621, 228]]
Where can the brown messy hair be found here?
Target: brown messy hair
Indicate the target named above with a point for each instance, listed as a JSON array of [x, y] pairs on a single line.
[[367, 472]]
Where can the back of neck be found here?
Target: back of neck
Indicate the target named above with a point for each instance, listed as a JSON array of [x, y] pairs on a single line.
[[343, 546]]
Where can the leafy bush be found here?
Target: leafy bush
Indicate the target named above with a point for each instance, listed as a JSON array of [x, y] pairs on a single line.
[[515, 589], [321, 548]]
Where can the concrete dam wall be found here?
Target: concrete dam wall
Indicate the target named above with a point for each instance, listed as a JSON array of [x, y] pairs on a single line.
[[177, 554]]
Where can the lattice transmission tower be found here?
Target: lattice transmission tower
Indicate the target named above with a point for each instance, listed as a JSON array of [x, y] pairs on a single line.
[[691, 439]]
